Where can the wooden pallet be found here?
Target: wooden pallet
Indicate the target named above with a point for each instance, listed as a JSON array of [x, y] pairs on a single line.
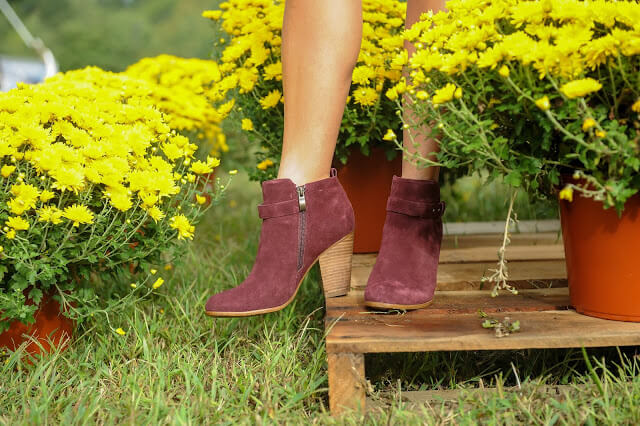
[[452, 322]]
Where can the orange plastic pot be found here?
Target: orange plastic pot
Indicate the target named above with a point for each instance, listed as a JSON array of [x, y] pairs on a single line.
[[601, 251], [367, 182], [50, 323]]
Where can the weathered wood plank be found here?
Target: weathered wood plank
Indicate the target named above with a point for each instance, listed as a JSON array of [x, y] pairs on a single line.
[[497, 227], [346, 382], [518, 271], [415, 332], [452, 276], [490, 254], [495, 240], [351, 307], [482, 254]]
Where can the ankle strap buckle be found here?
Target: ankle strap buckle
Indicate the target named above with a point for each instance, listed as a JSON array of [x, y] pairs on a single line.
[[416, 208], [438, 210]]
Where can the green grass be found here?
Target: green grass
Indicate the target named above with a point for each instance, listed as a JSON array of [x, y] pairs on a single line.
[[177, 366]]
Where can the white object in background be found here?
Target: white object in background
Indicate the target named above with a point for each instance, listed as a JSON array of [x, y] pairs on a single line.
[[14, 70]]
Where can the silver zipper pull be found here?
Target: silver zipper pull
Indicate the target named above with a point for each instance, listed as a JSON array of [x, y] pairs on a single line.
[[302, 202]]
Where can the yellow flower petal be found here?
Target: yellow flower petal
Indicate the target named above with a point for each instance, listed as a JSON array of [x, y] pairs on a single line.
[[247, 124], [543, 103], [158, 283], [566, 194], [588, 123], [7, 170], [389, 136]]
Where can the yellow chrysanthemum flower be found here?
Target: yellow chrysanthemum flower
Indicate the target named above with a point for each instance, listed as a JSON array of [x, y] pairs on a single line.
[[212, 14], [121, 201], [365, 96], [363, 74], [26, 196], [392, 93], [46, 195], [422, 95], [6, 170], [444, 94], [50, 214], [17, 223], [588, 124], [566, 194], [201, 168], [181, 224], [273, 71], [247, 124], [78, 214], [263, 165], [155, 213], [580, 88], [271, 100], [389, 136], [157, 283], [543, 103]]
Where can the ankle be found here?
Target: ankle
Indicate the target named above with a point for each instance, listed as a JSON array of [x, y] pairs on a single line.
[[430, 173], [302, 177]]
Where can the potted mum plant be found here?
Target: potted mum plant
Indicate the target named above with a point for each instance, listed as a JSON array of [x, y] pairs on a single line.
[[546, 95], [93, 178], [187, 94], [252, 71]]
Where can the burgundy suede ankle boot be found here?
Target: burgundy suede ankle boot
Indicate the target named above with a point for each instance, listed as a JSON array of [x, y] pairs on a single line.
[[301, 225], [404, 275]]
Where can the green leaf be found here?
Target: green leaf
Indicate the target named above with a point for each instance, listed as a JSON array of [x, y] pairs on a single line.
[[514, 179]]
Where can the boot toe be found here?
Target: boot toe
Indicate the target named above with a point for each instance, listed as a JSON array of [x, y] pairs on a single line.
[[393, 292], [222, 303], [243, 301], [230, 301]]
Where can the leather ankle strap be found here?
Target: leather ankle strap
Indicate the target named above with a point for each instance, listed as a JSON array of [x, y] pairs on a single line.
[[415, 208], [282, 208]]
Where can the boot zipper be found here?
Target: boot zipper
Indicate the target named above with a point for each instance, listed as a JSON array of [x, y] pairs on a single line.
[[302, 205]]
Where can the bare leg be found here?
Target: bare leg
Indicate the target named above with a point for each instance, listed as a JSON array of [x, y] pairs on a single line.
[[320, 45], [426, 145]]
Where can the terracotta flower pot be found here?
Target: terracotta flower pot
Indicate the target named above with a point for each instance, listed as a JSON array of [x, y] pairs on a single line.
[[601, 251], [50, 323], [367, 181]]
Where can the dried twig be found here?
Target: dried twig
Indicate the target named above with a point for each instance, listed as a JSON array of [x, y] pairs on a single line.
[[501, 274]]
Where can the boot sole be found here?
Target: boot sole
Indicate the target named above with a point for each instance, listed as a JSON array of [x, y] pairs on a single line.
[[387, 306], [328, 257]]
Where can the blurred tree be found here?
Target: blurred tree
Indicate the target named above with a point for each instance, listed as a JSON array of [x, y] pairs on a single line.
[[112, 33]]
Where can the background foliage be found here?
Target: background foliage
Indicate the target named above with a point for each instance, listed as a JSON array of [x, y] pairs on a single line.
[[112, 34]]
